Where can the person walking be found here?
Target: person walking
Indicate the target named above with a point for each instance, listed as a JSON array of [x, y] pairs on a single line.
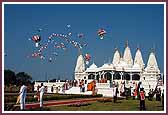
[[142, 99], [22, 94], [42, 91]]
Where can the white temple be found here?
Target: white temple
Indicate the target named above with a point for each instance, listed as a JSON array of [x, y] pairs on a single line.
[[122, 69]]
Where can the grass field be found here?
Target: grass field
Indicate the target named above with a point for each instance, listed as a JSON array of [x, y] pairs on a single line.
[[121, 105]]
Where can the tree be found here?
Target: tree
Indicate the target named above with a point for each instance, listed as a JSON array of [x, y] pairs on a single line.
[[23, 77], [9, 77]]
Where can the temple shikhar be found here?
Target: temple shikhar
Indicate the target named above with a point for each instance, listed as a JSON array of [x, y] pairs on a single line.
[[123, 70]]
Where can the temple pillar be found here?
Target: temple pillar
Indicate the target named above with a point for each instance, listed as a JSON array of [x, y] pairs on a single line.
[[131, 76], [100, 76], [95, 76], [112, 74], [121, 74]]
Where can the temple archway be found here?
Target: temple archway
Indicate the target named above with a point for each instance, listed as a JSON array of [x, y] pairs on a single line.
[[117, 76], [135, 77], [108, 76], [97, 77], [126, 76], [91, 76]]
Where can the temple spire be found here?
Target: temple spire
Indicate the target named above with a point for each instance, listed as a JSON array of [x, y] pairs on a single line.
[[127, 55], [152, 62], [138, 48], [116, 57], [138, 59], [80, 64], [79, 51], [126, 45]]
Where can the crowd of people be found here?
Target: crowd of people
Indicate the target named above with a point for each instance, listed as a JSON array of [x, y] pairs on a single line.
[[138, 93]]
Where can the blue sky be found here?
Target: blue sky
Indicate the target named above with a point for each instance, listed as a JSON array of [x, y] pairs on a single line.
[[141, 25]]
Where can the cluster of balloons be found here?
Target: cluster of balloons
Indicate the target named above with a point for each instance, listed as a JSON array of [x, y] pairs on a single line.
[[54, 41]]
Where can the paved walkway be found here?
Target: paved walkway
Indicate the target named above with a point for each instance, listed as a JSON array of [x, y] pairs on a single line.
[[60, 102]]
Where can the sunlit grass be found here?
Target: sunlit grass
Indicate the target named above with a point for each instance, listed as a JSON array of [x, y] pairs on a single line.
[[121, 105]]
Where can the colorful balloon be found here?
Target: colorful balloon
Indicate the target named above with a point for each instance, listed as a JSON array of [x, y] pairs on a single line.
[[101, 32], [87, 57], [36, 39], [80, 35]]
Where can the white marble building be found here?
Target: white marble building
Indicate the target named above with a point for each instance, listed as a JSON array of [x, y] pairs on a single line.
[[121, 69]]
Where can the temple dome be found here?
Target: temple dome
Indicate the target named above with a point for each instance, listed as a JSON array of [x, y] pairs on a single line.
[[92, 68], [138, 59], [116, 58], [80, 64], [152, 63], [127, 55], [107, 66]]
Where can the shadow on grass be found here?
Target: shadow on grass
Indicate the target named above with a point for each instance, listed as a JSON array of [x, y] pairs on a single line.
[[118, 102]]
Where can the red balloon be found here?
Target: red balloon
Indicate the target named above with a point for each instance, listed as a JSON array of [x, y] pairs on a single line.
[[87, 57]]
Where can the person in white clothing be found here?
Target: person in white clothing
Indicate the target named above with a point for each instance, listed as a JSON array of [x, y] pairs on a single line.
[[22, 94], [42, 91]]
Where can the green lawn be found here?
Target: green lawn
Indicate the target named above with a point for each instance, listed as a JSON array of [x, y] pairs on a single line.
[[121, 105]]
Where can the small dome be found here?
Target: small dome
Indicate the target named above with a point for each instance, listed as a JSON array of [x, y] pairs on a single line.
[[107, 66], [93, 66]]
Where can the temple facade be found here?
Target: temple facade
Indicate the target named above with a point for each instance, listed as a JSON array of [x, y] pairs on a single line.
[[122, 70]]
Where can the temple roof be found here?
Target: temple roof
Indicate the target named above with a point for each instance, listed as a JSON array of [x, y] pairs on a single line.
[[80, 64], [116, 58], [138, 59], [92, 68], [127, 55], [152, 63]]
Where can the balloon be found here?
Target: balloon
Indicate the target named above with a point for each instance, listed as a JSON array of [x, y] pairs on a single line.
[[37, 45], [68, 25], [55, 53], [87, 57], [101, 32], [42, 57], [87, 62], [80, 35], [50, 59], [39, 30], [69, 34], [36, 38]]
